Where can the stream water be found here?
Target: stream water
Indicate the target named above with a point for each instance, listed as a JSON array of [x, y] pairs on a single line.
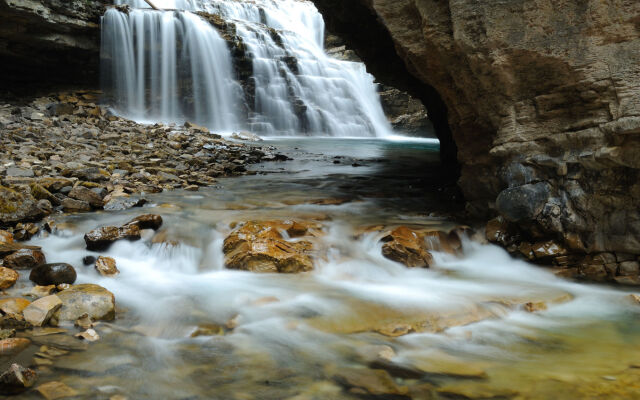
[[298, 336]]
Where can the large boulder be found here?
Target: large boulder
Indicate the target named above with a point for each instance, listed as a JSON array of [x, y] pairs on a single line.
[[260, 246], [95, 301]]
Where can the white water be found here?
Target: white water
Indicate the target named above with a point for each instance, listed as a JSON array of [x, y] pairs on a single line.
[[312, 95]]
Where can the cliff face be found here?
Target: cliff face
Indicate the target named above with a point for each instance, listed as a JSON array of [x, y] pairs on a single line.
[[543, 101], [49, 41]]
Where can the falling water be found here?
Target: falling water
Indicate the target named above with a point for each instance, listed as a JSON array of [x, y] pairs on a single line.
[[294, 87]]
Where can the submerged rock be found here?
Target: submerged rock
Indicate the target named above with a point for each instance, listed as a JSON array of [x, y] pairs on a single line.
[[102, 238], [17, 379], [95, 301], [56, 390], [374, 382], [261, 247], [53, 274], [13, 346]]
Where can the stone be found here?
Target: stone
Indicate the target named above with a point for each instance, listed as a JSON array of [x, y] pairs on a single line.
[[7, 333], [123, 203], [40, 311], [41, 291], [408, 247], [14, 321], [547, 249], [72, 205], [13, 346], [84, 322], [106, 266], [17, 379], [17, 207], [192, 188], [88, 260], [86, 195], [25, 259], [55, 184], [373, 382], [20, 172], [146, 221], [535, 306], [39, 192], [89, 335], [25, 231], [95, 301], [259, 246], [90, 174], [53, 274], [8, 277], [102, 238], [6, 237], [56, 390], [629, 268], [13, 305], [10, 248], [635, 298]]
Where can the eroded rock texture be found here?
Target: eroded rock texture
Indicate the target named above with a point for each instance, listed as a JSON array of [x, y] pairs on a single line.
[[49, 41], [543, 102]]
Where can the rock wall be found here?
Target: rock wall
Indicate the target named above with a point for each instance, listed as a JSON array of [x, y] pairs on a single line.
[[543, 101], [49, 41]]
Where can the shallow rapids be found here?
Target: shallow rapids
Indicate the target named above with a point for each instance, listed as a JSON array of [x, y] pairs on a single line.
[[294, 336]]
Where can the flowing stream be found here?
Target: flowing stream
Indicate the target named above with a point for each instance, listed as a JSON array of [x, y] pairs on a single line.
[[296, 336]]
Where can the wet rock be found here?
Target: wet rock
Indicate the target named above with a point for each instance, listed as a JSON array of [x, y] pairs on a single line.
[[7, 333], [41, 291], [123, 203], [56, 390], [40, 311], [10, 248], [497, 230], [95, 301], [535, 306], [17, 207], [90, 335], [14, 321], [523, 202], [102, 238], [260, 247], [13, 346], [55, 184], [146, 221], [13, 305], [53, 274], [373, 382], [6, 237], [8, 277], [635, 298], [25, 259], [17, 379], [25, 231], [408, 247], [629, 268], [91, 174], [84, 322], [106, 266], [72, 205], [86, 195], [88, 260], [547, 249], [470, 390]]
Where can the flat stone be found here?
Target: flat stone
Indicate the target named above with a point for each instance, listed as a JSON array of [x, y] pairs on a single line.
[[123, 203], [13, 305], [20, 172], [8, 277], [13, 346], [40, 311], [73, 205], [56, 390], [87, 195], [25, 259]]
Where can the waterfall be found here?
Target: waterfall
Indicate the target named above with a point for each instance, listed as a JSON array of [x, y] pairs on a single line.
[[175, 65]]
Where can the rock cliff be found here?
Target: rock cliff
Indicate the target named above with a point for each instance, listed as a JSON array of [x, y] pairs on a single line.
[[49, 41], [543, 103]]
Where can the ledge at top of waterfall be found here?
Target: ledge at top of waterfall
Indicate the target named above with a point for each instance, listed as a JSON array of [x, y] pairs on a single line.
[[262, 68]]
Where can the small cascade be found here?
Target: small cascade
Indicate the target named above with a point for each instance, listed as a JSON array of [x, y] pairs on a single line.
[[174, 65]]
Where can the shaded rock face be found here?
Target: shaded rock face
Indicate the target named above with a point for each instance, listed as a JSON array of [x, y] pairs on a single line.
[[541, 99], [50, 39]]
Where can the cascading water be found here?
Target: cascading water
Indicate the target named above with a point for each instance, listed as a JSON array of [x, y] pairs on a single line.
[[174, 66]]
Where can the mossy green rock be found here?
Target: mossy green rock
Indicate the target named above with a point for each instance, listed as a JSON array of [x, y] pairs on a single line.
[[17, 207], [94, 300]]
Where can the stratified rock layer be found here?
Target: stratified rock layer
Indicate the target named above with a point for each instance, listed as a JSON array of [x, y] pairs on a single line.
[[543, 104]]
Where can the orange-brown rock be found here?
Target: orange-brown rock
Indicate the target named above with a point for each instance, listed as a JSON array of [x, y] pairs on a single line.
[[407, 246], [13, 305], [260, 246], [12, 346], [5, 237], [8, 277]]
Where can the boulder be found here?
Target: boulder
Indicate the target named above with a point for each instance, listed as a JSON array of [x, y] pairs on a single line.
[[408, 247], [8, 277], [146, 221], [40, 311], [260, 247], [95, 301], [53, 274], [87, 195], [106, 266], [17, 207], [25, 259], [17, 379], [102, 238]]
